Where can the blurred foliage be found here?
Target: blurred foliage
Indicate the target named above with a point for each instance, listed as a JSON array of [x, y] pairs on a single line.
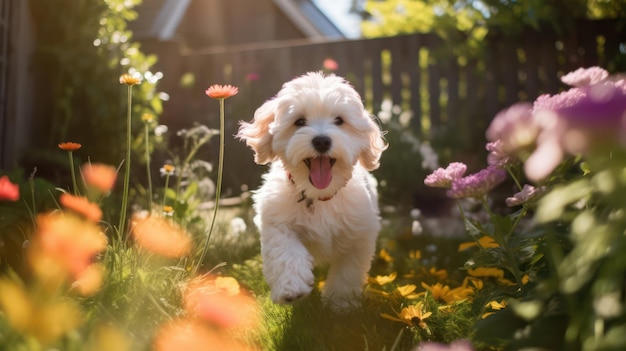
[[466, 25], [82, 47], [476, 17]]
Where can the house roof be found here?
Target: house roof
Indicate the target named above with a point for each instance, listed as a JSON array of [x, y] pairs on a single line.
[[159, 19], [309, 18]]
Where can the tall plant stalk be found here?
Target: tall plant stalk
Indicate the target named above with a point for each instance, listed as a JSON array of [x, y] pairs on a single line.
[[220, 93], [129, 81]]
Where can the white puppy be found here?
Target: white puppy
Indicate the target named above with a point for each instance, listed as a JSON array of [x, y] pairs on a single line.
[[318, 203]]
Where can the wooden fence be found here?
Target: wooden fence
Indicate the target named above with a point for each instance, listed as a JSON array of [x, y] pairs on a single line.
[[452, 99]]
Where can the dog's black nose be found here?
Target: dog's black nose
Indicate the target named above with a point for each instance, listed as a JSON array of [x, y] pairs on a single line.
[[322, 143]]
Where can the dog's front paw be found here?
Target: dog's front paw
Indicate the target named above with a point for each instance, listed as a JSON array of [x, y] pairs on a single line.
[[290, 289]]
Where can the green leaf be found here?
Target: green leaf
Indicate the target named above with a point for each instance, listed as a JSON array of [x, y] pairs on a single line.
[[552, 206]]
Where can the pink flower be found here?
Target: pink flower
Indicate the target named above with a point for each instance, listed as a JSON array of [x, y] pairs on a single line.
[[478, 184], [528, 192], [458, 345], [585, 76], [330, 64], [252, 76], [443, 178], [577, 121], [218, 92], [497, 157], [515, 127], [8, 190]]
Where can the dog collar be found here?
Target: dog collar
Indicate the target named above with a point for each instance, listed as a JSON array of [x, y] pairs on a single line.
[[308, 200]]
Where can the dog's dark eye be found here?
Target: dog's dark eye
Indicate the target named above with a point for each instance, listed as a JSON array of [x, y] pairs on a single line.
[[300, 122], [338, 121]]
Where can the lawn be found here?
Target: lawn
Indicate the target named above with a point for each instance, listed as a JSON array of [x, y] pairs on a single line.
[[529, 256]]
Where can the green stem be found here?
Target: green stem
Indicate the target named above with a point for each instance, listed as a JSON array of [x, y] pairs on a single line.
[[167, 182], [218, 186], [71, 155], [501, 240], [127, 172], [147, 135], [517, 183]]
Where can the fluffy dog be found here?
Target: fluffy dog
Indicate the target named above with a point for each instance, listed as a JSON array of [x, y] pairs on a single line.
[[318, 203]]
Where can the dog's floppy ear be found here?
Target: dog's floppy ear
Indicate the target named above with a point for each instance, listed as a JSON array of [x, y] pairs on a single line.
[[256, 133], [370, 156]]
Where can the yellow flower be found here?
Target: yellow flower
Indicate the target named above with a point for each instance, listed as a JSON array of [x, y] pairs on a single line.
[[383, 279], [415, 255], [168, 210], [444, 294], [486, 272], [485, 242], [167, 169], [413, 315], [217, 91], [385, 256], [441, 274], [69, 146], [406, 291], [130, 79], [494, 306], [147, 117]]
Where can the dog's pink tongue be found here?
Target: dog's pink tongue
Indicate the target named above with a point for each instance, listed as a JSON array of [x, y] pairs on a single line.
[[321, 172]]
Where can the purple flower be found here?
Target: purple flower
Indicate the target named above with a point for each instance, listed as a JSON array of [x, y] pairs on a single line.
[[585, 76], [576, 121], [458, 345], [601, 106], [443, 178], [478, 184], [528, 192]]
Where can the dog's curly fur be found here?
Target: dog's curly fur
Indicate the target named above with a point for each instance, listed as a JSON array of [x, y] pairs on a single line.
[[318, 202]]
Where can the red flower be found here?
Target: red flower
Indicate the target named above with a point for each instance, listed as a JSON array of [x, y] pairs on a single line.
[[217, 91], [8, 190], [69, 146]]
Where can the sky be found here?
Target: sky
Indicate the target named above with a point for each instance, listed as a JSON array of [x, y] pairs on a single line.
[[339, 12]]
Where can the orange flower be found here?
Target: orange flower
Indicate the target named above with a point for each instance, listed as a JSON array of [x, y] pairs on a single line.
[[90, 280], [161, 236], [219, 300], [82, 206], [130, 79], [189, 335], [64, 244], [8, 190], [217, 91], [99, 176], [69, 146]]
